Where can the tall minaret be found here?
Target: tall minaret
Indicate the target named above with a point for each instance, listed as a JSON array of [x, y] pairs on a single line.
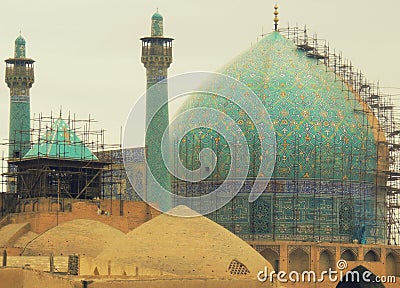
[[19, 78], [156, 57]]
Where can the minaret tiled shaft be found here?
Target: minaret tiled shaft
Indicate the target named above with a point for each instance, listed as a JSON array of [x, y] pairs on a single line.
[[157, 58], [19, 78]]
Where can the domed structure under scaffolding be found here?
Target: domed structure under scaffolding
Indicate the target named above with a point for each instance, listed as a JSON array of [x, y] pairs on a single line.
[[329, 178]]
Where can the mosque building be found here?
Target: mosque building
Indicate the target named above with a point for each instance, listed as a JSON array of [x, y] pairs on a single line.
[[329, 205]]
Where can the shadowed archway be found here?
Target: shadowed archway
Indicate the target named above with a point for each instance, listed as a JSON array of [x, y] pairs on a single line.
[[371, 256], [299, 261], [355, 279], [392, 264], [326, 261], [272, 257], [348, 255]]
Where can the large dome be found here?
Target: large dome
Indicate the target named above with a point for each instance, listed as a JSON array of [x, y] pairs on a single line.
[[323, 129], [328, 179], [80, 236]]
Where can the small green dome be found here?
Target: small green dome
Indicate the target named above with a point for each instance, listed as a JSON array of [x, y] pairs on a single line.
[[157, 16], [20, 40]]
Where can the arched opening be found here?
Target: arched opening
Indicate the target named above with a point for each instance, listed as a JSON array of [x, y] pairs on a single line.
[[348, 255], [392, 264], [55, 207], [68, 207], [27, 207], [18, 208], [326, 261], [360, 277], [35, 207], [272, 257], [299, 261], [371, 256]]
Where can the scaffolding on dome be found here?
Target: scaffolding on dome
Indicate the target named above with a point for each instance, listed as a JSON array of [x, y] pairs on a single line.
[[380, 104], [325, 216], [61, 161]]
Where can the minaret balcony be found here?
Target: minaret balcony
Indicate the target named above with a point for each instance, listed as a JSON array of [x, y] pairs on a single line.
[[19, 73], [156, 50]]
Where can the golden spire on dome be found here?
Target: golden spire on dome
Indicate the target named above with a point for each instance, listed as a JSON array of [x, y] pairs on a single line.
[[276, 19]]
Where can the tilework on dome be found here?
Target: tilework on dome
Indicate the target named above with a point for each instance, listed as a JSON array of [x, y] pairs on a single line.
[[323, 187], [321, 130], [60, 142]]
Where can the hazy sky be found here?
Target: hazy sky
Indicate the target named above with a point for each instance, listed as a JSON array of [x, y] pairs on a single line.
[[88, 51]]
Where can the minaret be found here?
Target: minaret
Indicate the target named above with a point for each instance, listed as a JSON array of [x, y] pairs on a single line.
[[156, 57], [156, 52], [19, 78]]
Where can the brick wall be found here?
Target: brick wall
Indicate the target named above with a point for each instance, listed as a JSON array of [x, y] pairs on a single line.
[[45, 215], [40, 263]]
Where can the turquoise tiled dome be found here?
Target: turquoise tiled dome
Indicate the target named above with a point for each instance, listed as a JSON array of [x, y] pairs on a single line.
[[323, 131], [157, 16], [20, 40], [60, 142]]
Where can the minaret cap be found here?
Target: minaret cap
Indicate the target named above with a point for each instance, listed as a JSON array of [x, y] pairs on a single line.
[[20, 43], [157, 25], [157, 16], [276, 19]]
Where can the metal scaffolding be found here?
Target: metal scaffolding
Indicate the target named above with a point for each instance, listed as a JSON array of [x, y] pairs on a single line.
[[61, 161], [368, 192], [379, 104]]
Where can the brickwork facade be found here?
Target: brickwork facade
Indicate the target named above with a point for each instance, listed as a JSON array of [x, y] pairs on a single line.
[[45, 213]]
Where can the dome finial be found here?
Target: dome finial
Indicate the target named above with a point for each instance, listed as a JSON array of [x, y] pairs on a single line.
[[276, 19]]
